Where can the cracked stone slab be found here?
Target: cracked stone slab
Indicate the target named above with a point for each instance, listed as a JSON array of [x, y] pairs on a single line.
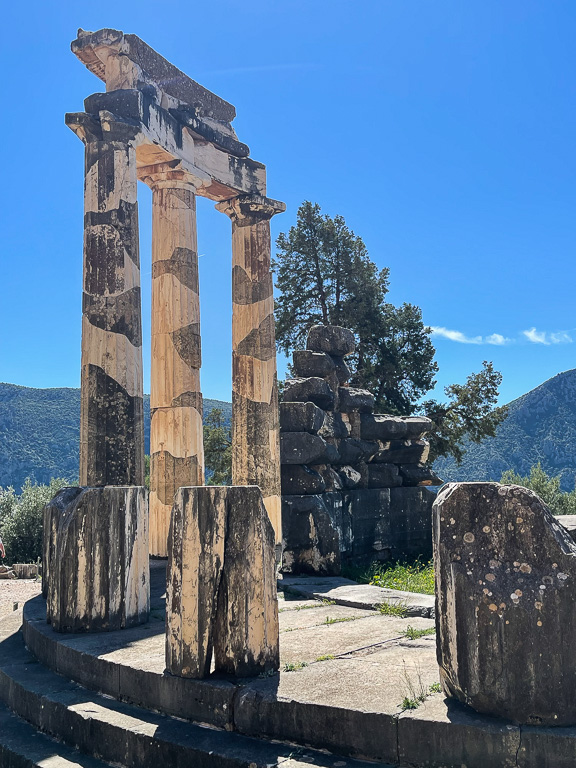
[[347, 592]]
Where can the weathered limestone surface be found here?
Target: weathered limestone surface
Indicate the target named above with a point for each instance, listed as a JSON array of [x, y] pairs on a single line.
[[505, 603], [221, 596], [255, 422], [176, 438], [96, 574], [112, 417]]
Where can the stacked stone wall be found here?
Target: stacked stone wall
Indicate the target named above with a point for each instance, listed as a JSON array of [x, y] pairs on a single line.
[[352, 480]]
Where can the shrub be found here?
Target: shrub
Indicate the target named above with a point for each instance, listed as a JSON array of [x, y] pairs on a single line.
[[21, 519]]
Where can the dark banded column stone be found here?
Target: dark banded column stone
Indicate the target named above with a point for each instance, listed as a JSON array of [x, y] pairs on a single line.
[[111, 420], [176, 435], [255, 425]]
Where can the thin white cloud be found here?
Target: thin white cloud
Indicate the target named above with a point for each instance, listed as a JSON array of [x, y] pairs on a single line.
[[542, 337], [446, 333]]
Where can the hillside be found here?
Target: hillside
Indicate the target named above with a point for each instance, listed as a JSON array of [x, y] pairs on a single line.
[[540, 427], [40, 429]]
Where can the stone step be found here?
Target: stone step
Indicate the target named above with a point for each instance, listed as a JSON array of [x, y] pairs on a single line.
[[22, 746], [127, 735]]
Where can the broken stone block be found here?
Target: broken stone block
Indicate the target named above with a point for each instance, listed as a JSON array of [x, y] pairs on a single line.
[[352, 451], [403, 452], [341, 369], [96, 558], [506, 608], [7, 573], [333, 426], [301, 417], [307, 363], [355, 400], [383, 476], [299, 479], [416, 474], [378, 426], [416, 426], [302, 448], [312, 543], [350, 477], [221, 596], [313, 389], [331, 478], [332, 339]]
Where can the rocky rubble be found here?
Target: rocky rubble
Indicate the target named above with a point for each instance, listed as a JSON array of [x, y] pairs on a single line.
[[332, 442]]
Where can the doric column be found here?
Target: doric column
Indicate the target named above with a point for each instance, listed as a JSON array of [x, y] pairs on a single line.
[[255, 426], [176, 439], [111, 418]]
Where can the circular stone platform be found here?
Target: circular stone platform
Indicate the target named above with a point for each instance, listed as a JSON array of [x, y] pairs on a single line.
[[345, 674]]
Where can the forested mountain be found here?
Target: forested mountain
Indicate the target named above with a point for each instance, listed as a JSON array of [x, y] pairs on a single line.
[[540, 427], [40, 430]]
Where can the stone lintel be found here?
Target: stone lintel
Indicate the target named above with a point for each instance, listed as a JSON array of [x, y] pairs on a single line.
[[95, 49], [162, 138], [245, 210]]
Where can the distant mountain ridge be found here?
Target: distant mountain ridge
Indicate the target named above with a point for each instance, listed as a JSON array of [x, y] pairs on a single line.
[[40, 432], [540, 427]]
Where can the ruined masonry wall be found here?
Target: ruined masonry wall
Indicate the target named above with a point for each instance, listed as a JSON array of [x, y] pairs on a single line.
[[352, 480]]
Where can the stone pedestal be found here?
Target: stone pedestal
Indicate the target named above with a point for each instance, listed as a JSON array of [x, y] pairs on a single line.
[[255, 427], [221, 596], [176, 435], [111, 417], [96, 559], [505, 603]]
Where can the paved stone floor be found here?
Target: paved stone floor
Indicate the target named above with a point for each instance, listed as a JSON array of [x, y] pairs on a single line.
[[17, 591]]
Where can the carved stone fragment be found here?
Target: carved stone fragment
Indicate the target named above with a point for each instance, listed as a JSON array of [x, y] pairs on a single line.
[[301, 417], [313, 389], [96, 558], [376, 426], [221, 595], [505, 603], [307, 363], [355, 400], [331, 339]]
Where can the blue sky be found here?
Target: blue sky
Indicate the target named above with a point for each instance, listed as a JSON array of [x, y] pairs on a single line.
[[443, 131]]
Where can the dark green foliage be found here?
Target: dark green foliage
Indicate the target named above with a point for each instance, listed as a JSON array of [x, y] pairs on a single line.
[[324, 275], [540, 428], [40, 432], [217, 448], [470, 412], [547, 488], [21, 519]]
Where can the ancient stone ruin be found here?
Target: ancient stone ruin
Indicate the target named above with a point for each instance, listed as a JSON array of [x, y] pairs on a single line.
[[156, 125], [353, 482], [505, 607]]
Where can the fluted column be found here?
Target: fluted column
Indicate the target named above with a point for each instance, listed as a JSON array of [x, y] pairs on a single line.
[[176, 439], [111, 418], [255, 420]]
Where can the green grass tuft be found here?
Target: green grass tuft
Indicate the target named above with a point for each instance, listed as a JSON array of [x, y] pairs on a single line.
[[295, 666], [435, 688], [409, 577], [337, 621], [413, 634], [326, 657], [392, 609]]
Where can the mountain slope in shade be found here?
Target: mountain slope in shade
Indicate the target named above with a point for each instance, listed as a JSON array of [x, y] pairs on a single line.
[[40, 432], [540, 427]]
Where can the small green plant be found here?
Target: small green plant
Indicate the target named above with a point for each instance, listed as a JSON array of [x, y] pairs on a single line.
[[326, 657], [397, 609], [295, 666], [408, 577], [319, 604], [415, 690], [413, 634], [435, 688], [330, 620]]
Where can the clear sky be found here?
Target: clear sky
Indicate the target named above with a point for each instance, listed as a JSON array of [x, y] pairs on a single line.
[[442, 130]]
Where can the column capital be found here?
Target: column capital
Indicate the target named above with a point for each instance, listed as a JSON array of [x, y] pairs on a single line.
[[169, 175], [245, 210]]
